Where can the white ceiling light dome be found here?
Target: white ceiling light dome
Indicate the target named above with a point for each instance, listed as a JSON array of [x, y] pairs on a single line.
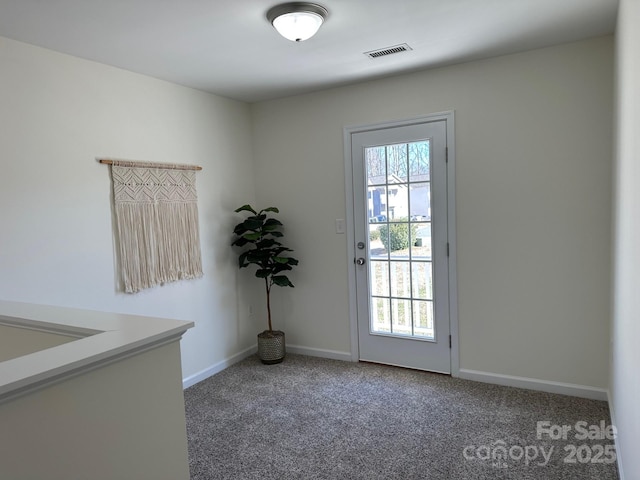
[[297, 21]]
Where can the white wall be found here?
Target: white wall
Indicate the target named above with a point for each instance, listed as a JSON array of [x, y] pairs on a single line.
[[624, 386], [533, 140], [57, 115]]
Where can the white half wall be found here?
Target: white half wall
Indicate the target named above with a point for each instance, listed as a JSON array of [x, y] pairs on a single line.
[[625, 333], [123, 420], [533, 172], [57, 115]]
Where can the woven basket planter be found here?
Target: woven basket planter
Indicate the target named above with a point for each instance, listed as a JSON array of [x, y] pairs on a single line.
[[271, 347]]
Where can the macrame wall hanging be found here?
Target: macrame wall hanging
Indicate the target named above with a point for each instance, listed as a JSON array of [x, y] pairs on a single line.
[[156, 212]]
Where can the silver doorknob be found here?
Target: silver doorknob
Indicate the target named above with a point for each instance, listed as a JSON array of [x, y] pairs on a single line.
[[360, 261]]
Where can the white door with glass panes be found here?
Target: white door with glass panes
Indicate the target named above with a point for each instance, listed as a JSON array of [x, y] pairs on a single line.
[[401, 245]]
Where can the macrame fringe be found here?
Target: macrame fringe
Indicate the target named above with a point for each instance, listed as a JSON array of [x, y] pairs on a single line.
[[156, 213], [159, 243]]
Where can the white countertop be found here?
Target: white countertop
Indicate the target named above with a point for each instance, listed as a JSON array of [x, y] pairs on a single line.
[[102, 338]]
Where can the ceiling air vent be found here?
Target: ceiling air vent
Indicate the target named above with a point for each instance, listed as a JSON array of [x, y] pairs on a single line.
[[382, 52]]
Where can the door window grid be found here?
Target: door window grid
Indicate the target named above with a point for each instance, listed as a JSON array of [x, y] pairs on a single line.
[[401, 304]]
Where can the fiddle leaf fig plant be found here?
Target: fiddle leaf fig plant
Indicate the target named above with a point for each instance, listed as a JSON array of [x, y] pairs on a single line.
[[260, 234]]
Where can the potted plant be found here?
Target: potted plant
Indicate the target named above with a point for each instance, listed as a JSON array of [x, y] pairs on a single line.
[[260, 234]]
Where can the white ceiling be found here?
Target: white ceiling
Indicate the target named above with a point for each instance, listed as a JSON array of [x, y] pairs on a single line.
[[227, 47]]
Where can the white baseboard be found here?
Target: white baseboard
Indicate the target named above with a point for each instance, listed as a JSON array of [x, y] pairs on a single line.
[[218, 367], [612, 414], [535, 384], [478, 376], [227, 362], [319, 352]]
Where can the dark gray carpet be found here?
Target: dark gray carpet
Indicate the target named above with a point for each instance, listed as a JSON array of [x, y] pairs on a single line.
[[312, 418]]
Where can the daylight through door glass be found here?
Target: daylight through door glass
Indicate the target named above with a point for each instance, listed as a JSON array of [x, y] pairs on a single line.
[[400, 245]]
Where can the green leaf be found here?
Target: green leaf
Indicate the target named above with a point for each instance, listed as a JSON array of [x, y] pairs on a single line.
[[262, 273], [270, 209], [272, 224], [282, 281], [239, 229], [253, 261], [280, 267], [252, 236], [259, 255], [281, 259], [240, 242], [246, 208], [266, 243], [252, 223], [242, 260]]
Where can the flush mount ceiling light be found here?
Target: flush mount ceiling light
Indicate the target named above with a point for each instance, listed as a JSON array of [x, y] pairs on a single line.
[[297, 21]]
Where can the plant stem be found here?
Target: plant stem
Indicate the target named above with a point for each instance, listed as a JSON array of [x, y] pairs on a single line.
[[266, 284]]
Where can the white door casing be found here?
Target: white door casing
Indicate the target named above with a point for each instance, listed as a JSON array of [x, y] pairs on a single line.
[[396, 316]]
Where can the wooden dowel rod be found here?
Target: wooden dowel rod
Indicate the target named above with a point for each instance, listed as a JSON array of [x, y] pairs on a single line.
[[170, 166]]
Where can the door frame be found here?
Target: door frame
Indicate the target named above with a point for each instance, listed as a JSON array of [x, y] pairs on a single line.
[[448, 118]]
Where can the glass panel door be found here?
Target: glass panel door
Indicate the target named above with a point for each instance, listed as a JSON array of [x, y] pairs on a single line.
[[400, 228]]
